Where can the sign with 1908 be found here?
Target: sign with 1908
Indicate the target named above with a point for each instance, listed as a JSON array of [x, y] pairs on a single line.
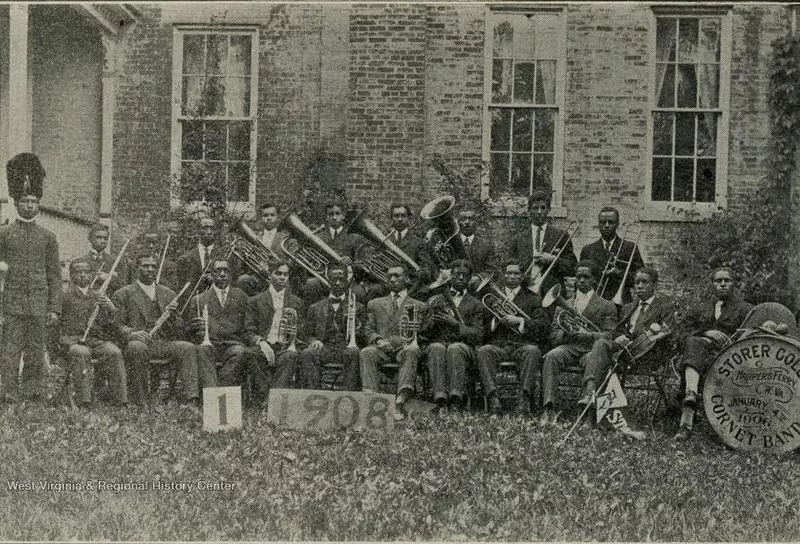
[[316, 410], [752, 394]]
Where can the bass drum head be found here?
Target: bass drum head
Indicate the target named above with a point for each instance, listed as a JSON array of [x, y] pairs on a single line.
[[752, 394]]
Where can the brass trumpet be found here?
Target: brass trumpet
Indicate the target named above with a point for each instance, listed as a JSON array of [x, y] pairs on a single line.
[[536, 286], [567, 318], [287, 328], [614, 259]]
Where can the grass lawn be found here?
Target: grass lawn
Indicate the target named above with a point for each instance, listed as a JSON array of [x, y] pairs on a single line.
[[443, 478]]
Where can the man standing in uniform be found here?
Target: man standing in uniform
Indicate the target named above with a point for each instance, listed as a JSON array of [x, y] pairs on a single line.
[[32, 298]]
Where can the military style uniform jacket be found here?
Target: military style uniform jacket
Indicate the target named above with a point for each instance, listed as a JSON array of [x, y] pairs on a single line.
[[33, 283]]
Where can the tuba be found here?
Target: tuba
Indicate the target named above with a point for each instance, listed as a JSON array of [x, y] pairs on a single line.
[[496, 301], [442, 238], [287, 328], [567, 318], [378, 264], [306, 248]]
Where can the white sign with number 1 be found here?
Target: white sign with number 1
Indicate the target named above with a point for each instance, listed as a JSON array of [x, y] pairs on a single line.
[[222, 408]]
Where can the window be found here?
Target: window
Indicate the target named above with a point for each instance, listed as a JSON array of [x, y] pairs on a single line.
[[689, 113], [215, 75], [523, 119]]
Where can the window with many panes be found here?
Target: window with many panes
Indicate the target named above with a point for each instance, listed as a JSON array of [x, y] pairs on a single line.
[[215, 76], [524, 101], [689, 112]]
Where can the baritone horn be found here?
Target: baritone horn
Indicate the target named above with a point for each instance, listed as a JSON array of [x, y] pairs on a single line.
[[567, 318], [307, 249], [569, 233], [378, 264], [443, 237], [496, 301]]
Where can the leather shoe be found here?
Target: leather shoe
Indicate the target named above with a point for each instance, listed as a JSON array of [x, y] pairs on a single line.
[[684, 433], [495, 406]]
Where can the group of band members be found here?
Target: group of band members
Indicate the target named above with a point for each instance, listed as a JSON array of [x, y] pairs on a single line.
[[361, 326]]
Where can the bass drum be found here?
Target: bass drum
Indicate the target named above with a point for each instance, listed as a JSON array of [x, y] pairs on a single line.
[[752, 394]]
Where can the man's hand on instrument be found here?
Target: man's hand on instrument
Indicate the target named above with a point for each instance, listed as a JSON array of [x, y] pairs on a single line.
[[448, 319], [266, 349], [141, 336], [172, 306], [383, 345], [718, 337], [104, 302], [545, 258], [622, 341], [198, 324], [612, 271], [512, 320], [316, 344], [52, 319], [346, 261]]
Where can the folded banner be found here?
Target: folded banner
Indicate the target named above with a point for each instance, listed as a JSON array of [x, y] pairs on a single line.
[[608, 406]]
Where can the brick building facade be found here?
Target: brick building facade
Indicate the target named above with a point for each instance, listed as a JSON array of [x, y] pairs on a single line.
[[656, 109]]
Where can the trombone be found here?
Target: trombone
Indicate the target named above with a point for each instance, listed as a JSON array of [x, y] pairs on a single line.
[[572, 229], [614, 260]]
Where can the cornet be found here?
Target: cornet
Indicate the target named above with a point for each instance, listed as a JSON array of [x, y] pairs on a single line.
[[351, 319], [287, 328], [206, 337], [409, 325]]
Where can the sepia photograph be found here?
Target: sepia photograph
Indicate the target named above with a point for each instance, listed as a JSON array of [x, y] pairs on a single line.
[[399, 271]]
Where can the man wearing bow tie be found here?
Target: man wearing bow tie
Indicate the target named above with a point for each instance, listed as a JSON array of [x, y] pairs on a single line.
[[478, 250], [519, 338], [453, 325], [327, 335], [609, 245], [589, 348], [227, 316], [100, 262], [385, 344], [710, 327]]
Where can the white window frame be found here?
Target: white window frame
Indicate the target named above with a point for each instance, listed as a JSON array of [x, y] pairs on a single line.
[[691, 211], [178, 32], [514, 204]]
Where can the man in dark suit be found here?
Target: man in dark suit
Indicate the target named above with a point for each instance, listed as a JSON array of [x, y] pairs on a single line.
[[601, 251], [139, 305], [334, 235], [386, 342], [275, 347], [78, 305], [32, 299], [478, 250], [151, 244], [454, 326], [537, 248], [227, 320], [327, 332], [638, 318], [520, 338], [590, 346], [266, 229], [101, 262], [710, 327], [196, 262]]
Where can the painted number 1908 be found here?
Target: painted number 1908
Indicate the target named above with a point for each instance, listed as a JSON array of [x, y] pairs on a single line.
[[301, 409]]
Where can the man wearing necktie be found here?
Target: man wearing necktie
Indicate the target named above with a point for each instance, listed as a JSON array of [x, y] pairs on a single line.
[[537, 247], [588, 348], [326, 322], [227, 316], [385, 343], [609, 245], [479, 250], [453, 326], [196, 262], [637, 318], [709, 326], [519, 338], [335, 235]]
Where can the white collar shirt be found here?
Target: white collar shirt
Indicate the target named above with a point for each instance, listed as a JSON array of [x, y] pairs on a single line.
[[637, 313], [222, 295], [268, 237], [277, 304], [201, 249], [536, 236], [582, 300], [149, 290]]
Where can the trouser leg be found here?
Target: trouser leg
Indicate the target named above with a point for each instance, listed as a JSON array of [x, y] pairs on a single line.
[[487, 357], [34, 333], [137, 356], [556, 358], [528, 358], [350, 369], [80, 361], [369, 358], [310, 375], [112, 365], [598, 361], [458, 356], [437, 369], [408, 357]]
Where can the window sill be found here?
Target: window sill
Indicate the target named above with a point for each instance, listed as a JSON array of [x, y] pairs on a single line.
[[677, 212], [511, 206]]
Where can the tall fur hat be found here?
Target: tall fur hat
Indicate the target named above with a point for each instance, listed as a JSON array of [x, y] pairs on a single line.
[[25, 176]]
